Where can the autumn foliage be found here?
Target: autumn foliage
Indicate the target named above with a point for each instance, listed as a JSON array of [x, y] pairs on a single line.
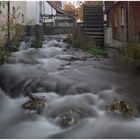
[[79, 13], [69, 7], [76, 11]]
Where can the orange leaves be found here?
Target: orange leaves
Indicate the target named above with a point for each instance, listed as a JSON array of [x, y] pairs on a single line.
[[79, 13], [76, 11], [69, 7]]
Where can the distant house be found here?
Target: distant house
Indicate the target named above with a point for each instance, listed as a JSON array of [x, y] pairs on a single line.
[[33, 13], [57, 3], [54, 16], [123, 22], [27, 12], [17, 9]]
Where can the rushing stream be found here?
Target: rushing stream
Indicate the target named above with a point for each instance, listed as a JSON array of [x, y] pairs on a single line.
[[77, 86]]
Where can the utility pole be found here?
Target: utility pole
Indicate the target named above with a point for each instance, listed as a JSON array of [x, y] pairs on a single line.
[[127, 20], [8, 23], [40, 10]]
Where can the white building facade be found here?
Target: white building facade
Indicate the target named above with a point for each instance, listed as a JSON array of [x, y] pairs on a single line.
[[22, 12], [26, 12], [48, 13]]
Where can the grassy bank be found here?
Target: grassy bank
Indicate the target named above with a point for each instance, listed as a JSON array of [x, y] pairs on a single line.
[[78, 40]]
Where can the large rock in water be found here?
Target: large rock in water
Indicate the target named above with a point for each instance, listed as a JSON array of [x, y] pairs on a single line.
[[71, 117]]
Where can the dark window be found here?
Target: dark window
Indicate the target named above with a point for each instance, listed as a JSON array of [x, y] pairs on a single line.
[[122, 16], [22, 18], [14, 12]]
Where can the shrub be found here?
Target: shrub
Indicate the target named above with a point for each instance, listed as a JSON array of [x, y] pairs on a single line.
[[97, 51], [18, 35], [36, 44], [79, 40], [131, 54], [16, 32], [4, 54]]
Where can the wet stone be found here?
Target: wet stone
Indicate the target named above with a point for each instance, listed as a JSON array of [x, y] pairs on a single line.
[[70, 118]]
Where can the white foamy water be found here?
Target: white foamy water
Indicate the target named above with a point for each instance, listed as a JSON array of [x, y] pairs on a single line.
[[79, 89], [17, 123]]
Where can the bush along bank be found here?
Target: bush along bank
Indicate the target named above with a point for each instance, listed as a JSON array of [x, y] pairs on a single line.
[[130, 54], [12, 34], [4, 54], [13, 45], [36, 43], [78, 40]]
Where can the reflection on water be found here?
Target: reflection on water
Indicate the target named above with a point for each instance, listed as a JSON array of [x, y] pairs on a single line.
[[77, 89]]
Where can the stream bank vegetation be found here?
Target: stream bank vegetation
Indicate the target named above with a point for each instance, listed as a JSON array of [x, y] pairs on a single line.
[[78, 39], [37, 43], [131, 54], [4, 54], [12, 35]]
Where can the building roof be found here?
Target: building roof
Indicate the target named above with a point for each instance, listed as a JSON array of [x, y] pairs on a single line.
[[59, 10]]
